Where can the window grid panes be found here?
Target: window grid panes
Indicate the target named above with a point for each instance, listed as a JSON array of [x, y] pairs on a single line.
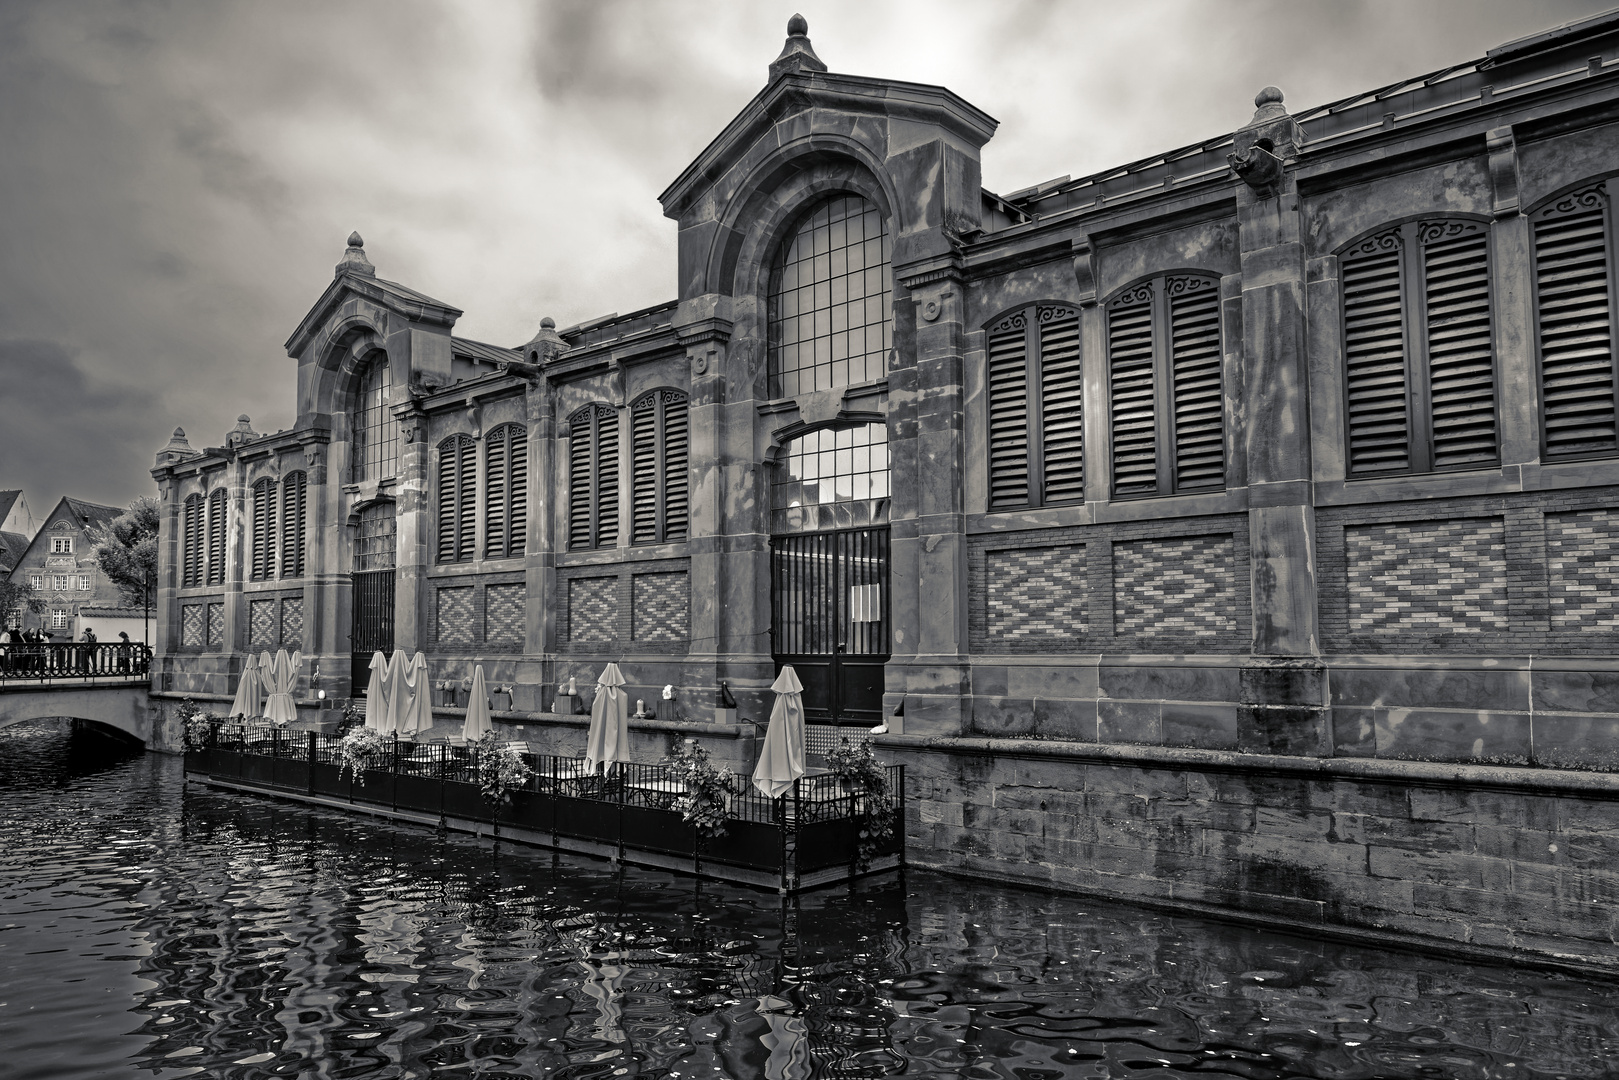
[[61, 545], [376, 434], [833, 478], [831, 300], [374, 546]]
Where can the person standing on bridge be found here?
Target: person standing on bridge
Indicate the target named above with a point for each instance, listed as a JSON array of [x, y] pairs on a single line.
[[124, 650], [87, 657]]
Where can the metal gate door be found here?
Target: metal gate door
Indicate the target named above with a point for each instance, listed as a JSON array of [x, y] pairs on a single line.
[[373, 623], [829, 619]]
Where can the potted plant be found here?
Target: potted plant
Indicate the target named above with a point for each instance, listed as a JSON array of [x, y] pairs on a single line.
[[708, 788], [198, 724], [501, 771], [361, 749], [863, 776]]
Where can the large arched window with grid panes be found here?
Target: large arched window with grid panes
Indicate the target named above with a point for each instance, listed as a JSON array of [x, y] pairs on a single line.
[[832, 478], [658, 453], [506, 484], [1034, 388], [831, 299], [593, 478], [457, 499], [1166, 399], [375, 433]]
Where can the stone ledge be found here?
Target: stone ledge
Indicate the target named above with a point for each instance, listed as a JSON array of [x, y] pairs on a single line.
[[1524, 779]]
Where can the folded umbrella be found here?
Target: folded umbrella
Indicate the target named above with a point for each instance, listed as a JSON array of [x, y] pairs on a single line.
[[609, 737], [782, 759], [398, 691], [248, 690], [418, 713], [477, 723], [376, 693], [279, 707]]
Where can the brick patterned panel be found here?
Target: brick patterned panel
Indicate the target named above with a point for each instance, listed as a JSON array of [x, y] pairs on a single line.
[[1582, 562], [1184, 586], [824, 738], [216, 624], [1435, 577], [1036, 592], [503, 612], [660, 607], [454, 610], [261, 622], [292, 620], [593, 609], [193, 625]]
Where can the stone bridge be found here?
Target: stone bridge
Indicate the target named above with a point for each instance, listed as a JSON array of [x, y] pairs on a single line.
[[102, 684]]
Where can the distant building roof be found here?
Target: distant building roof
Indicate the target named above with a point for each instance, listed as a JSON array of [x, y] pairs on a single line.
[[13, 546], [90, 513], [478, 350], [111, 613]]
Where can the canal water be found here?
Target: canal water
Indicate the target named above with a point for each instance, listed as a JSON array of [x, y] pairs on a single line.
[[151, 928]]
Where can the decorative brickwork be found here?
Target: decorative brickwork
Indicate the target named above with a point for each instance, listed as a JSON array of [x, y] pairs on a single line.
[[593, 609], [1036, 592], [216, 624], [454, 615], [1582, 560], [261, 622], [503, 612], [660, 607], [193, 625], [1439, 577], [292, 620], [1184, 586]]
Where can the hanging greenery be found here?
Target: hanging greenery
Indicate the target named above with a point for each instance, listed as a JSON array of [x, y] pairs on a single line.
[[708, 788], [361, 749], [198, 724], [857, 768], [501, 770]]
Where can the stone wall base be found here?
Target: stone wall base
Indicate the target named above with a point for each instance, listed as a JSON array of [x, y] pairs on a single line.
[[1477, 860]]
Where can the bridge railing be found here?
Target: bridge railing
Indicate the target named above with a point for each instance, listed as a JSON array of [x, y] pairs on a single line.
[[47, 661]]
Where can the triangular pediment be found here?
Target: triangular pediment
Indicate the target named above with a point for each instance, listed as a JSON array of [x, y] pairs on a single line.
[[400, 299]]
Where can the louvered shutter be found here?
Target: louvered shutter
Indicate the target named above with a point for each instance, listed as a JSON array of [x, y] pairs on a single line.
[[466, 541], [1194, 371], [216, 538], [644, 470], [676, 438], [1378, 424], [191, 543], [263, 554], [1573, 286], [1062, 420], [1460, 348], [449, 498], [581, 444], [1131, 382], [495, 507], [606, 477], [294, 496], [517, 491], [1008, 413]]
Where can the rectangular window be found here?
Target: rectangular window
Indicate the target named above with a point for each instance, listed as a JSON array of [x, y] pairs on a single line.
[[36, 581], [1167, 407], [84, 582], [1036, 428], [61, 545], [1575, 313], [1419, 355], [61, 582], [58, 618]]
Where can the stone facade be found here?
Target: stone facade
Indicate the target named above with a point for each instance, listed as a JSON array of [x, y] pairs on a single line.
[[1273, 448]]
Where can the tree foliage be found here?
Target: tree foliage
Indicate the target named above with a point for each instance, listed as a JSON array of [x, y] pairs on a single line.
[[126, 549], [16, 594]]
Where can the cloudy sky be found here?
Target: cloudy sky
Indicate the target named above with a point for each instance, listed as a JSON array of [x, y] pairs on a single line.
[[177, 179]]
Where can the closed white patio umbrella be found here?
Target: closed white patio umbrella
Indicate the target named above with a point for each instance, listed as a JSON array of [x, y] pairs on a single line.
[[609, 737], [417, 716], [398, 691], [279, 707], [477, 724], [376, 693], [249, 691], [782, 759]]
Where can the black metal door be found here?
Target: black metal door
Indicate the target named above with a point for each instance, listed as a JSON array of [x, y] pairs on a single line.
[[829, 619], [373, 622]]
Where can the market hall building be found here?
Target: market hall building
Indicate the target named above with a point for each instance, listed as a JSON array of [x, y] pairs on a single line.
[[1237, 527]]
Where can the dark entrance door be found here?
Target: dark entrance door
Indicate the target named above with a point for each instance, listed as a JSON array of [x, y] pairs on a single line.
[[829, 619], [373, 592]]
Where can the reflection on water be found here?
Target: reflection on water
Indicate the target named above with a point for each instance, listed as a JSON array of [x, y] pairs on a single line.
[[149, 926]]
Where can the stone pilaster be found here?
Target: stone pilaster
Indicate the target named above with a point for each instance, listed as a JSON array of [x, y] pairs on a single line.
[[412, 521], [539, 549]]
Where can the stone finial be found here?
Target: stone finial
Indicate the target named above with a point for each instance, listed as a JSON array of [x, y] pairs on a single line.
[[177, 449], [354, 260], [1268, 103], [798, 54], [241, 433], [1261, 148], [546, 345]]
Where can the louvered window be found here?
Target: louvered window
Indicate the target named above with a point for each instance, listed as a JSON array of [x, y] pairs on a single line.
[[1419, 354], [1574, 304], [593, 477], [294, 519], [216, 537], [506, 483], [457, 499], [658, 431], [1036, 432], [1167, 402], [191, 542], [262, 557]]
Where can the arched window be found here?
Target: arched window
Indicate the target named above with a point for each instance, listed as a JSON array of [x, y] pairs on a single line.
[[832, 478], [593, 477], [376, 434], [457, 499], [1419, 359], [191, 542], [658, 450], [831, 300], [216, 537], [374, 546], [1164, 380], [294, 519], [262, 558], [1036, 429], [506, 481], [1576, 307]]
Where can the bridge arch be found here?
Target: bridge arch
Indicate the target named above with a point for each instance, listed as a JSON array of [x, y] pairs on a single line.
[[122, 708]]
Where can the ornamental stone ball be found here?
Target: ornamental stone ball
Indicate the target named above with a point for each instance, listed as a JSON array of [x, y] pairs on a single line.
[[354, 239], [797, 26]]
